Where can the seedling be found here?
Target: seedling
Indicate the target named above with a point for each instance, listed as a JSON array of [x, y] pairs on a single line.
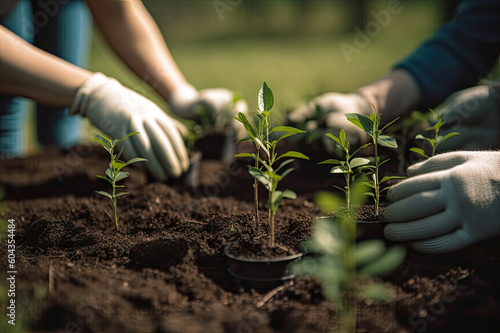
[[114, 173], [339, 260], [264, 170], [436, 140], [371, 125], [347, 166]]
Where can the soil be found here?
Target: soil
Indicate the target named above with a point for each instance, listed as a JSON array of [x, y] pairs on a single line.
[[165, 270]]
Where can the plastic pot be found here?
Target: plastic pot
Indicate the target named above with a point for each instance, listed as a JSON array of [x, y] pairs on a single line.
[[220, 146], [262, 274]]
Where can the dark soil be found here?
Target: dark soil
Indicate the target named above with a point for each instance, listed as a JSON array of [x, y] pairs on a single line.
[[165, 270]]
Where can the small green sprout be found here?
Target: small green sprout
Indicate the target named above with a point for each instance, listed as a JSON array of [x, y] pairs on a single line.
[[371, 125], [436, 140], [114, 173], [339, 261], [347, 166], [265, 170]]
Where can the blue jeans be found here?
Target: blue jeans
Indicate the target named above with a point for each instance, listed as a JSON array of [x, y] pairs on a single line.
[[62, 28]]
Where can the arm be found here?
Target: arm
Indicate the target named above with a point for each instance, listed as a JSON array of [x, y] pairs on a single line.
[[459, 53], [130, 30], [30, 72]]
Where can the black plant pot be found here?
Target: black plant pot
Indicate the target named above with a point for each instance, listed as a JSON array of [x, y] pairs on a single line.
[[220, 146], [262, 274]]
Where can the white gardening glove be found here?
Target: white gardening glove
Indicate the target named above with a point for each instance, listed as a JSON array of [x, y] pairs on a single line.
[[475, 114], [219, 103], [449, 202], [332, 109], [117, 110]]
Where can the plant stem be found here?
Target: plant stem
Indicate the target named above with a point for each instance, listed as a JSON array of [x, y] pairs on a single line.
[[256, 194], [376, 183], [271, 222]]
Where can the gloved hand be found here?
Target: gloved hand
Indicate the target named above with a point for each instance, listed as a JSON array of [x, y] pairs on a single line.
[[475, 114], [117, 110], [332, 108], [217, 104], [449, 202]]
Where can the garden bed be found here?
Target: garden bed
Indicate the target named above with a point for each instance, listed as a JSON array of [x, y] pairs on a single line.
[[165, 270]]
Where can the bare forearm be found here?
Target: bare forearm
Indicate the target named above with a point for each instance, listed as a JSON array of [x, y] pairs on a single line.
[[135, 37], [393, 95], [30, 72]]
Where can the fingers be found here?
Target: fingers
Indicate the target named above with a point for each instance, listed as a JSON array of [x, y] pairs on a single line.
[[451, 242], [425, 228], [415, 206], [172, 132], [416, 185], [171, 159], [438, 163], [142, 148]]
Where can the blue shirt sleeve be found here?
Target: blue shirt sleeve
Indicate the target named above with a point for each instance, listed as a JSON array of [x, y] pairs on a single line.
[[458, 54]]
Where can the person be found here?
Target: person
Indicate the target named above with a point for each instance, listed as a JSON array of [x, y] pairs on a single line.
[[29, 71], [451, 200]]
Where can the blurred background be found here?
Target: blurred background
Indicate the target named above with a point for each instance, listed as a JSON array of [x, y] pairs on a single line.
[[293, 45], [301, 48]]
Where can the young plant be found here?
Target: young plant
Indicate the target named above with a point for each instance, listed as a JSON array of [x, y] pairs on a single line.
[[114, 173], [347, 166], [436, 140], [265, 170], [371, 125], [339, 260]]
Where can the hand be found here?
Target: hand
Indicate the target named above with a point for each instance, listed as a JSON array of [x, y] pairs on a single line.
[[117, 110], [215, 107], [329, 110], [449, 202], [475, 114]]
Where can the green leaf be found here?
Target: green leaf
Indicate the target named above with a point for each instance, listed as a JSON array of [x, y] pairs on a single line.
[[339, 169], [419, 151], [447, 136], [286, 135], [243, 155], [391, 259], [387, 141], [388, 125], [266, 98], [328, 202], [289, 194], [248, 127], [135, 160], [286, 172], [340, 188], [362, 122], [121, 175], [106, 194], [127, 136], [386, 178], [284, 163], [294, 154], [332, 161], [109, 173], [121, 193], [260, 176], [369, 194], [358, 161], [334, 138], [287, 129], [421, 137], [361, 148], [118, 165], [342, 137], [105, 178], [103, 141], [370, 184], [244, 140], [368, 251]]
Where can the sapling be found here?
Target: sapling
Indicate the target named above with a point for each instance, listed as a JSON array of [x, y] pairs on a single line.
[[114, 173], [347, 166], [436, 140], [371, 125], [265, 170]]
